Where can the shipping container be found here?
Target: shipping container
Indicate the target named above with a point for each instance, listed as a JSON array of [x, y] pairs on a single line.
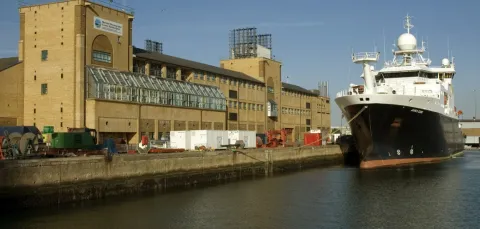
[[212, 139], [180, 140], [248, 137], [72, 140], [312, 139]]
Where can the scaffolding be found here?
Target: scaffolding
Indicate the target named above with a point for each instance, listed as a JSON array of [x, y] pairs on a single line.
[[153, 46], [265, 40], [243, 43], [113, 85], [323, 89]]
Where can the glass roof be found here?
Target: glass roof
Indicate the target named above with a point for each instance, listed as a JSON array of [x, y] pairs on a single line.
[[105, 76]]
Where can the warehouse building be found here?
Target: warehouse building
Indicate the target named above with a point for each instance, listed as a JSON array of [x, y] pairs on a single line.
[[471, 132], [77, 67]]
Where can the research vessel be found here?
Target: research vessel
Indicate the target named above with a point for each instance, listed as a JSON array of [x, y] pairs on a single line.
[[404, 113]]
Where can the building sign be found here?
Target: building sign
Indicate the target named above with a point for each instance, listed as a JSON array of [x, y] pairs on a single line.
[[107, 26]]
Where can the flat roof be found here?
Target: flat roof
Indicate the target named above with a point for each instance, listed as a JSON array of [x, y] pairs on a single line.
[[8, 62], [160, 57], [119, 7], [296, 88]]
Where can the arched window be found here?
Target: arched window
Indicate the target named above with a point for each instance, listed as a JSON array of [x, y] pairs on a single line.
[[102, 51]]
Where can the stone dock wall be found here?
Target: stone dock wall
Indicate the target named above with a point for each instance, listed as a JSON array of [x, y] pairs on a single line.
[[38, 182]]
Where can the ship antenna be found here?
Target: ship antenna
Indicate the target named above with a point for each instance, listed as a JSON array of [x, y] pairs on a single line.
[[428, 49], [448, 47], [408, 25], [384, 52], [375, 50]]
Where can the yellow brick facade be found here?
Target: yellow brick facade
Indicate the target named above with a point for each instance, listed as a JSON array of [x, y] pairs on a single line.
[[58, 40], [11, 96]]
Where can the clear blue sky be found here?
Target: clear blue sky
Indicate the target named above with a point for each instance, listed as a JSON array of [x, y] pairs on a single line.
[[312, 38]]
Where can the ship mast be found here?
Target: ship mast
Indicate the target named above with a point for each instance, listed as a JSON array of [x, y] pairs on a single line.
[[408, 25], [365, 58]]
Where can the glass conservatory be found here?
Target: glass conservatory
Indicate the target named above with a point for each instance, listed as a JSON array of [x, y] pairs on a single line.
[[135, 87]]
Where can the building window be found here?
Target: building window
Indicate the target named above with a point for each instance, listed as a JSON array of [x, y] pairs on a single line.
[[232, 94], [44, 89], [308, 129], [155, 69], [270, 90], [307, 121], [44, 55], [102, 56], [307, 105], [232, 116]]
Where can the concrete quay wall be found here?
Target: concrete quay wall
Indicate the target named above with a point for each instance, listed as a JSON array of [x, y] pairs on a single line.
[[27, 183]]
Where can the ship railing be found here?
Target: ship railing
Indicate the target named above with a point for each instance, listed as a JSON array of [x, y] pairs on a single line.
[[414, 62], [365, 56], [347, 92]]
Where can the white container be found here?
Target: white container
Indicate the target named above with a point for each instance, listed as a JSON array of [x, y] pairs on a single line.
[[212, 139], [180, 139], [248, 137]]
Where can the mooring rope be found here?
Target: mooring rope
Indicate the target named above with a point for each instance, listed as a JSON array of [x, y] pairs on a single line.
[[354, 117], [299, 147], [359, 112]]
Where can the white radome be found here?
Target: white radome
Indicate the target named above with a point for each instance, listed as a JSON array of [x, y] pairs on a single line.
[[445, 62], [407, 42]]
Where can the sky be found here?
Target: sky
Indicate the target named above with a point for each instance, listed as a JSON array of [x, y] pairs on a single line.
[[313, 39]]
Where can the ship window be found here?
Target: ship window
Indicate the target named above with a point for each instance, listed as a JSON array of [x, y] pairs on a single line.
[[399, 74]]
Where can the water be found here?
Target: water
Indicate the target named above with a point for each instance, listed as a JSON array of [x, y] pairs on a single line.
[[443, 195]]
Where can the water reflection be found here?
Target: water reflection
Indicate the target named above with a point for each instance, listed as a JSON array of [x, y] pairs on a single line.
[[441, 195]]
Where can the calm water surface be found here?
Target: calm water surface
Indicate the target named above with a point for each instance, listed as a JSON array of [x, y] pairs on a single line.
[[444, 195]]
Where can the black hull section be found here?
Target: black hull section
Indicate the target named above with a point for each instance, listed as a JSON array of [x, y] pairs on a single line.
[[390, 134]]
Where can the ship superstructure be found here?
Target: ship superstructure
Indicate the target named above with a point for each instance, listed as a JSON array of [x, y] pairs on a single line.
[[399, 105]]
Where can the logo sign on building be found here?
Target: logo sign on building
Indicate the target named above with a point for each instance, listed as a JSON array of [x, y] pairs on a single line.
[[107, 26]]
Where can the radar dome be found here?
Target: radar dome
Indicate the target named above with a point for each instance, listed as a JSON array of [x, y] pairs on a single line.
[[407, 42], [445, 62]]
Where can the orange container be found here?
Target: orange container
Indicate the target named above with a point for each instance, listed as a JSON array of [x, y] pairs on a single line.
[[312, 139]]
